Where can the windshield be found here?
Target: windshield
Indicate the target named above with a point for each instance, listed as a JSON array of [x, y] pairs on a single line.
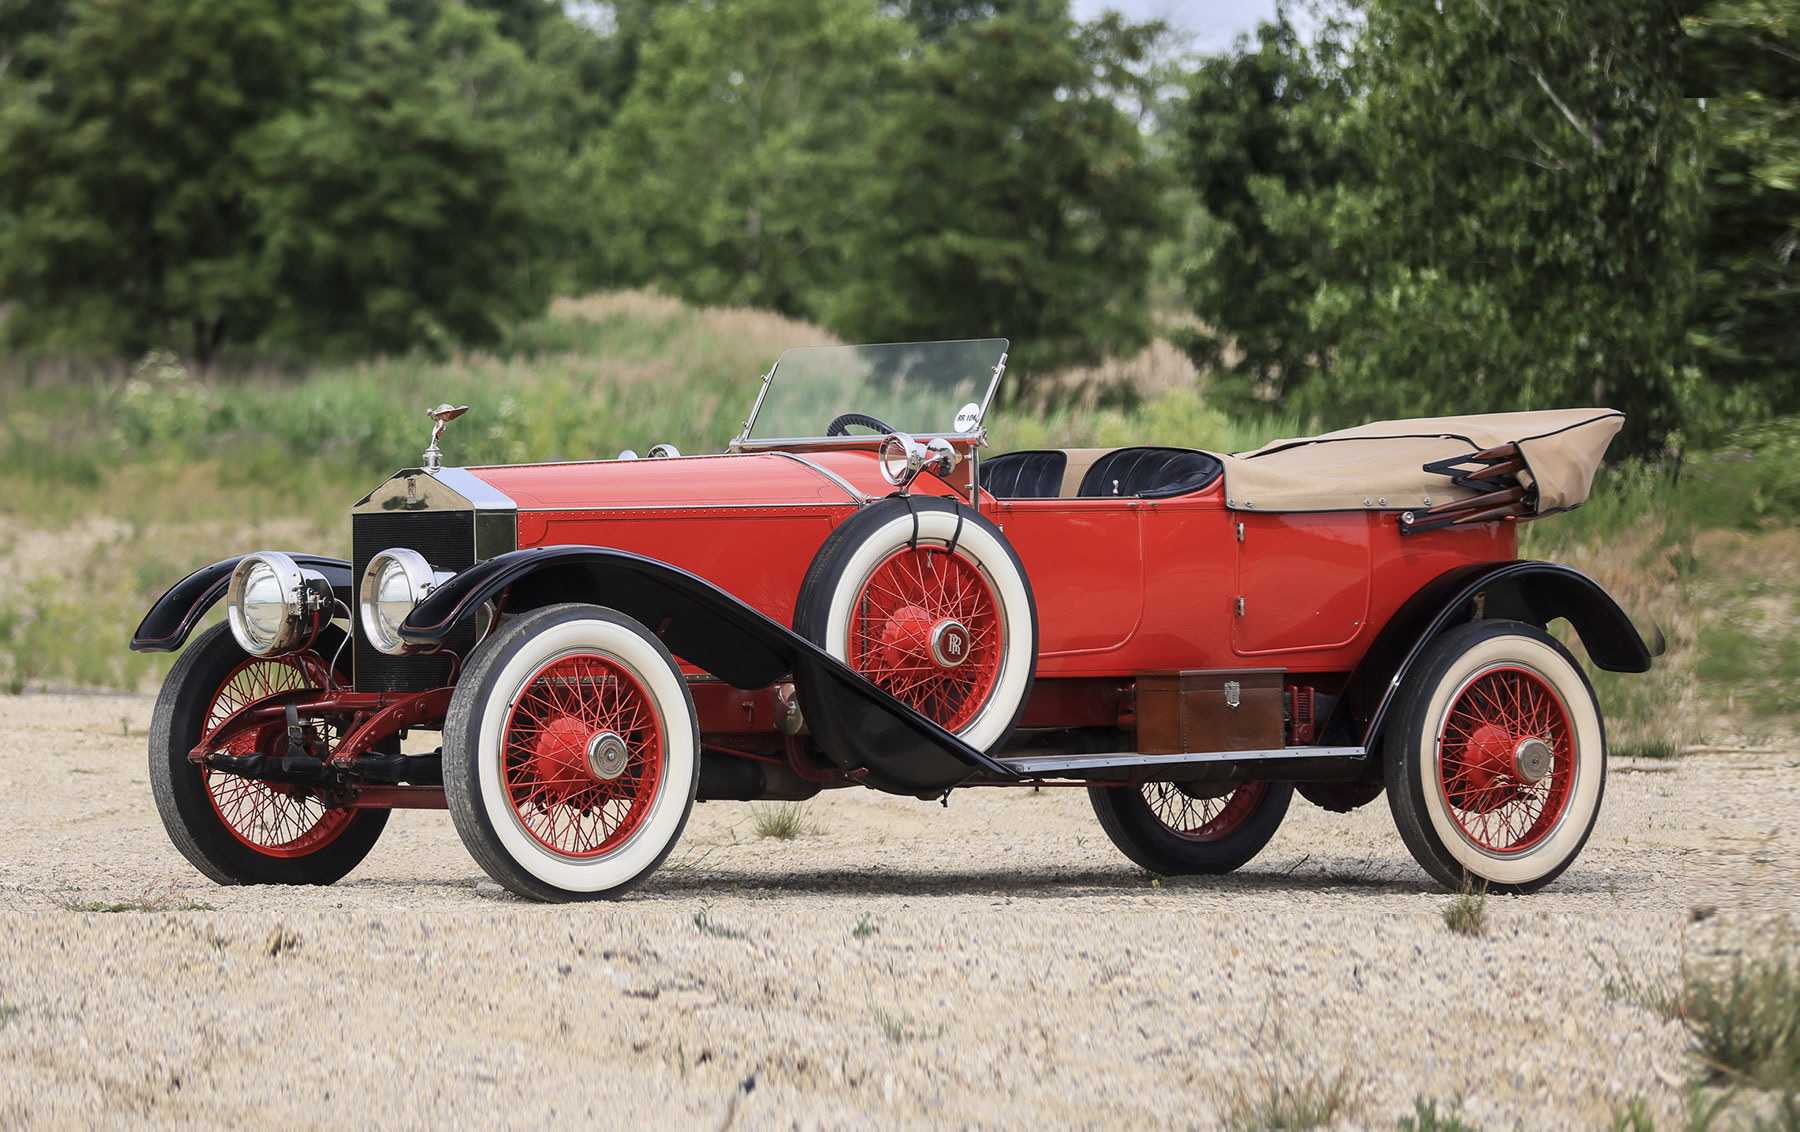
[[911, 387]]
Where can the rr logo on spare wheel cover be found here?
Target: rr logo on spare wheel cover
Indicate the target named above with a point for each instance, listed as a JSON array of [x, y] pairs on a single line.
[[949, 643]]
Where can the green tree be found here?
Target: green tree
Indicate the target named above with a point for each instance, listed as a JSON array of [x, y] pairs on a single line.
[[1525, 235], [337, 177], [1016, 195], [1745, 57], [407, 203], [1260, 137], [123, 175], [730, 172]]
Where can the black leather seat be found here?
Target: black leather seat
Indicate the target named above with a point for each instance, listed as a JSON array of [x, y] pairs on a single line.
[[1032, 474], [1149, 473]]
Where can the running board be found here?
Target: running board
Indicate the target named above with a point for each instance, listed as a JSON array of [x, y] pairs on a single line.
[[1028, 766]]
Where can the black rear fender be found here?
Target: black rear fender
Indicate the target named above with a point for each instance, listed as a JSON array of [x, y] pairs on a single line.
[[1536, 593], [172, 619], [900, 750]]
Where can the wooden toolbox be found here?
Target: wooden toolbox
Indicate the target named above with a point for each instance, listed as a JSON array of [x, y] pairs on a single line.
[[1210, 710]]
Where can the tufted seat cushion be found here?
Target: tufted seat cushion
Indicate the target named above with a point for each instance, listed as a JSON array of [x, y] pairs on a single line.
[[1032, 474], [1149, 473]]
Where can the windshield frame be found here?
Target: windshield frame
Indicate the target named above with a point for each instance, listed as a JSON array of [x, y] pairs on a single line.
[[744, 443]]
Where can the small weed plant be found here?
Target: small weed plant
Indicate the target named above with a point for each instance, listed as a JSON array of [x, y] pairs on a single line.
[[1289, 1093], [1466, 914], [1648, 749], [706, 925], [1288, 1106], [150, 900], [1427, 1118], [899, 1027], [865, 927], [783, 821], [1742, 1019]]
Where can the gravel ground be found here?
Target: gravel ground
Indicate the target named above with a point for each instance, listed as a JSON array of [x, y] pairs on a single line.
[[993, 964]]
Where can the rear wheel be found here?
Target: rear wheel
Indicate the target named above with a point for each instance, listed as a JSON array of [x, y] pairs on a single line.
[[1496, 758], [1190, 828], [240, 830], [571, 754]]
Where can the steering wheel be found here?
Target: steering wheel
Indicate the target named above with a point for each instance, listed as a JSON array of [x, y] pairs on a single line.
[[840, 424]]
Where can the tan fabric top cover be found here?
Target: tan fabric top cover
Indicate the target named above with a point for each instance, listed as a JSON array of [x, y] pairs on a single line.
[[1380, 466]]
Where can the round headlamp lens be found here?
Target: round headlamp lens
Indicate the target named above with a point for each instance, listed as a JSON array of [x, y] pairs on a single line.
[[265, 606], [895, 460], [393, 599], [394, 582], [274, 605]]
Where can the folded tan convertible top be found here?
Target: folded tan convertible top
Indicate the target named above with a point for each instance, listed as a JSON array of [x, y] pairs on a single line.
[[1383, 465]]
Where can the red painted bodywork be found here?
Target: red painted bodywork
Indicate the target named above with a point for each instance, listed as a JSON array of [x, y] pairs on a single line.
[[1122, 585]]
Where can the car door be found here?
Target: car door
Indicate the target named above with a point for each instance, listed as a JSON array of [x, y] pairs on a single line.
[[1084, 558], [1302, 581]]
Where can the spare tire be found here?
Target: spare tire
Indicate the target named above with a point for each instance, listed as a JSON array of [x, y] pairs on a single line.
[[927, 600]]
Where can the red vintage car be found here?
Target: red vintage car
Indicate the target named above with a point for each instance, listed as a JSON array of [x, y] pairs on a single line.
[[853, 595]]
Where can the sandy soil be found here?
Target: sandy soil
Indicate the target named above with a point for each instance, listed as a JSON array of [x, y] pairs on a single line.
[[993, 964]]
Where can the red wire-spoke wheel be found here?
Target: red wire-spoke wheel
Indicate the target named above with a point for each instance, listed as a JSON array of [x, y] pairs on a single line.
[[583, 755], [282, 821], [1210, 813], [571, 753], [240, 830], [927, 630], [1175, 828], [927, 601], [1496, 757]]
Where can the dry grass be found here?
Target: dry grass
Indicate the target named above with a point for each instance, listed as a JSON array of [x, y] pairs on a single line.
[[783, 821], [1661, 711], [706, 925], [1466, 913], [757, 331], [1742, 1017], [1289, 1092], [152, 899], [71, 592], [1304, 1102], [1426, 1117], [1157, 369]]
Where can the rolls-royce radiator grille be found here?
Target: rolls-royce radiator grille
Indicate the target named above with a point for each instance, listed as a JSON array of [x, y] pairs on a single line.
[[447, 540]]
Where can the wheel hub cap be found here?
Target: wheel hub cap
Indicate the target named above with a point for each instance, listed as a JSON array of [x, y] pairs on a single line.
[[949, 643], [607, 755], [1531, 760]]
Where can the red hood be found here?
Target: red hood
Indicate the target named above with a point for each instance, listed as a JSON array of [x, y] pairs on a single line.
[[747, 480]]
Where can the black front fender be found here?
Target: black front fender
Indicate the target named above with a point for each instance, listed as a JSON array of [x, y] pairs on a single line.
[[899, 750], [167, 626], [1534, 592]]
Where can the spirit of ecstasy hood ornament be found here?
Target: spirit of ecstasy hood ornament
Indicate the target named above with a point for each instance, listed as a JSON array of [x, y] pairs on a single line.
[[443, 415]]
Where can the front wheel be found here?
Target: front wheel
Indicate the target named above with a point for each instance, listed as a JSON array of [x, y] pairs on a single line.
[[571, 754], [1177, 829], [1496, 758], [240, 830]]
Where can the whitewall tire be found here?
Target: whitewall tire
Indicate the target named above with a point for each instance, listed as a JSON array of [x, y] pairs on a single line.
[[571, 754], [927, 600], [1496, 758]]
